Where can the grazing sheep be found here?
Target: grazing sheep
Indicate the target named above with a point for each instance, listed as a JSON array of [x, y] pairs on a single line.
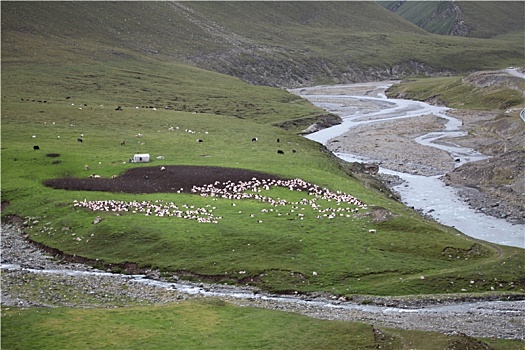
[[35, 148], [86, 167], [122, 143], [162, 168], [118, 108], [372, 231], [280, 151], [254, 139], [93, 176], [114, 176]]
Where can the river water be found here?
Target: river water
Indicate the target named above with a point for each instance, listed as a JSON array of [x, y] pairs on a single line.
[[366, 103]]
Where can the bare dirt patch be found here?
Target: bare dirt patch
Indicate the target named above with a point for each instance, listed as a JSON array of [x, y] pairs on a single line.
[[175, 178]]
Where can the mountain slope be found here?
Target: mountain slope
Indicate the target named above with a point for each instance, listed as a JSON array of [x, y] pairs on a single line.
[[267, 43], [481, 19]]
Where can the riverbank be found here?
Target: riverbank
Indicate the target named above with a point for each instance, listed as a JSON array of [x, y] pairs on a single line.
[[32, 278]]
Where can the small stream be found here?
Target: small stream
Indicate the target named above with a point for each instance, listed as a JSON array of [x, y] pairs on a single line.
[[366, 103], [247, 293]]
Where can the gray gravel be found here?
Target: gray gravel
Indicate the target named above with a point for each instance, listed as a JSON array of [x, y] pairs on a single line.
[[33, 278]]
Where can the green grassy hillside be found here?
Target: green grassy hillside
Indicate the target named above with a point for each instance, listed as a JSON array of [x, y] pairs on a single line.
[[480, 19], [270, 43], [280, 253], [64, 80], [481, 90]]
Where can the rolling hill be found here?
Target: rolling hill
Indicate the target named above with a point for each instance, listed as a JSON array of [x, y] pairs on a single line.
[[266, 43]]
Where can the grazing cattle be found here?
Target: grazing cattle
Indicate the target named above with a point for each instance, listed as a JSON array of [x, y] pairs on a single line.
[[35, 148], [280, 151], [80, 140], [200, 141], [294, 151], [122, 143], [254, 139], [278, 140], [118, 108]]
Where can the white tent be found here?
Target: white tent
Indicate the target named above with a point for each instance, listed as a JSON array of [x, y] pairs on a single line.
[[141, 158]]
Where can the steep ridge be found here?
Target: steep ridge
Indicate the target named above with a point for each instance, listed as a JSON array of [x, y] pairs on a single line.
[[482, 19]]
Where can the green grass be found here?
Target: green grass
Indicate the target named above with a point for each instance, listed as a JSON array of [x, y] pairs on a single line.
[[268, 43], [456, 92], [206, 324], [282, 251], [90, 61]]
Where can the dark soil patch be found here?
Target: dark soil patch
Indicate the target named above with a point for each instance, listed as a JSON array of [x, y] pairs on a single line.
[[154, 180]]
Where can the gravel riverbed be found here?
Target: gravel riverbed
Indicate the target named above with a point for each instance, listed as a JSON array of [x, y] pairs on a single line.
[[31, 278]]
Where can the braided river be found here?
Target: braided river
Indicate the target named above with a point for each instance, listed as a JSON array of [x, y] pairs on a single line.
[[366, 104]]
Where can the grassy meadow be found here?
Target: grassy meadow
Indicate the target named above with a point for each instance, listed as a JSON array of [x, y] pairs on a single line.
[[282, 249], [209, 324]]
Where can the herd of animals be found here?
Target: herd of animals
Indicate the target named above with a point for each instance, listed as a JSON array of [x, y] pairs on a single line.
[[123, 143]]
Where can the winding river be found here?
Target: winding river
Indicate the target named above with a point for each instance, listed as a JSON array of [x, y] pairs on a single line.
[[366, 103]]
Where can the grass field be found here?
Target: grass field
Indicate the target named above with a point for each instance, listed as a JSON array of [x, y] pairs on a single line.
[[345, 257], [209, 324]]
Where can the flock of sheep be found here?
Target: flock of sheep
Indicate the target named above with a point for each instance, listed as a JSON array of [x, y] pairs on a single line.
[[238, 191]]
